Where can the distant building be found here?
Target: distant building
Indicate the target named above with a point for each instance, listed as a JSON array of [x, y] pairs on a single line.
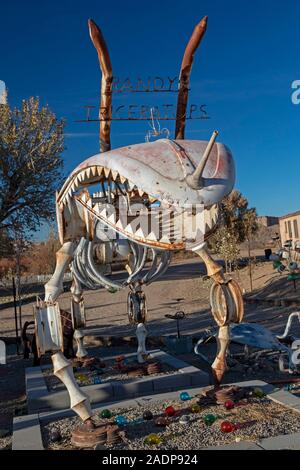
[[267, 220], [289, 226], [3, 93]]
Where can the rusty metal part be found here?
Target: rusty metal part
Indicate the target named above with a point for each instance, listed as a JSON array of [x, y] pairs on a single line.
[[227, 303], [113, 435], [221, 302], [154, 368], [89, 424], [184, 77], [237, 296], [87, 438], [105, 110], [219, 395], [135, 372]]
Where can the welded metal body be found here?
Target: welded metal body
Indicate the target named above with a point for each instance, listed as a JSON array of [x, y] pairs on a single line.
[[141, 201]]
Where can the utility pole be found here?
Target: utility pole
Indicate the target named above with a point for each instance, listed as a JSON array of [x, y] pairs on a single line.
[[16, 315]]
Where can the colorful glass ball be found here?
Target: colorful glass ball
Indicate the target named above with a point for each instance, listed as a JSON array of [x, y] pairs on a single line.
[[120, 420], [147, 415], [209, 419], [258, 392], [97, 380], [120, 358], [184, 396], [170, 411], [161, 422], [106, 414], [195, 408], [153, 439], [184, 420], [227, 426], [229, 404]]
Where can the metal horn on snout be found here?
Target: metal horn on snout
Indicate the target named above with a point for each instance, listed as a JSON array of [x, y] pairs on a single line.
[[194, 180]]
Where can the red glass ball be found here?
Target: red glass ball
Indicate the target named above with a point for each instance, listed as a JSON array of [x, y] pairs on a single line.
[[227, 426], [229, 404], [170, 411], [120, 358]]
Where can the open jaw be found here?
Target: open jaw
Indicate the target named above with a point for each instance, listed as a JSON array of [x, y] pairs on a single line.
[[125, 208]]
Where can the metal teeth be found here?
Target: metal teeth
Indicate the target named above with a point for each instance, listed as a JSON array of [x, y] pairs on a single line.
[[131, 186], [151, 236], [114, 174], [139, 233], [106, 172], [129, 229]]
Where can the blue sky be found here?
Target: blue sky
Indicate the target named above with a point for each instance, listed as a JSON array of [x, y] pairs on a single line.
[[243, 73]]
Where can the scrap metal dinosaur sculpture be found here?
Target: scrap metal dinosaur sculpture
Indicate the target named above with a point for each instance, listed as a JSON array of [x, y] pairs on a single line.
[[149, 198]]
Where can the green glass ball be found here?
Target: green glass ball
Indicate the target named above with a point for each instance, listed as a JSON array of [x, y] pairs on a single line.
[[209, 419], [106, 414], [258, 392]]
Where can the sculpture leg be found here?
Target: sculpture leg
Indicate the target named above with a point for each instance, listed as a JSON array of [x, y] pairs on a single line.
[[49, 338], [219, 366], [79, 401], [77, 309], [81, 351], [54, 286], [227, 306], [141, 334]]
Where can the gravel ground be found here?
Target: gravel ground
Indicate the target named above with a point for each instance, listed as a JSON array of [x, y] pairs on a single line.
[[261, 418], [84, 376]]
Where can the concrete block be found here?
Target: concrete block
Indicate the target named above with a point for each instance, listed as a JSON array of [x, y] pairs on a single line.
[[243, 445], [132, 389], [172, 382], [284, 442], [27, 433]]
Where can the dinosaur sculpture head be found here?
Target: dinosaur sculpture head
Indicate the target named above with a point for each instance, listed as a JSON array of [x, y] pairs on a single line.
[[154, 178]]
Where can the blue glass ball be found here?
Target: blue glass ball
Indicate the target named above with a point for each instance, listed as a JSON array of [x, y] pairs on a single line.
[[120, 420], [184, 396]]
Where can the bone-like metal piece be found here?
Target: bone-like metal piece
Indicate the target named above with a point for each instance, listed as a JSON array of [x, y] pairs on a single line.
[[141, 334], [79, 401], [214, 270], [195, 179], [219, 366], [81, 351], [54, 286]]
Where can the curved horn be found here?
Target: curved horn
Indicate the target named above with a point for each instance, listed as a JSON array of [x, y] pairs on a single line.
[[105, 110], [184, 77], [195, 179]]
